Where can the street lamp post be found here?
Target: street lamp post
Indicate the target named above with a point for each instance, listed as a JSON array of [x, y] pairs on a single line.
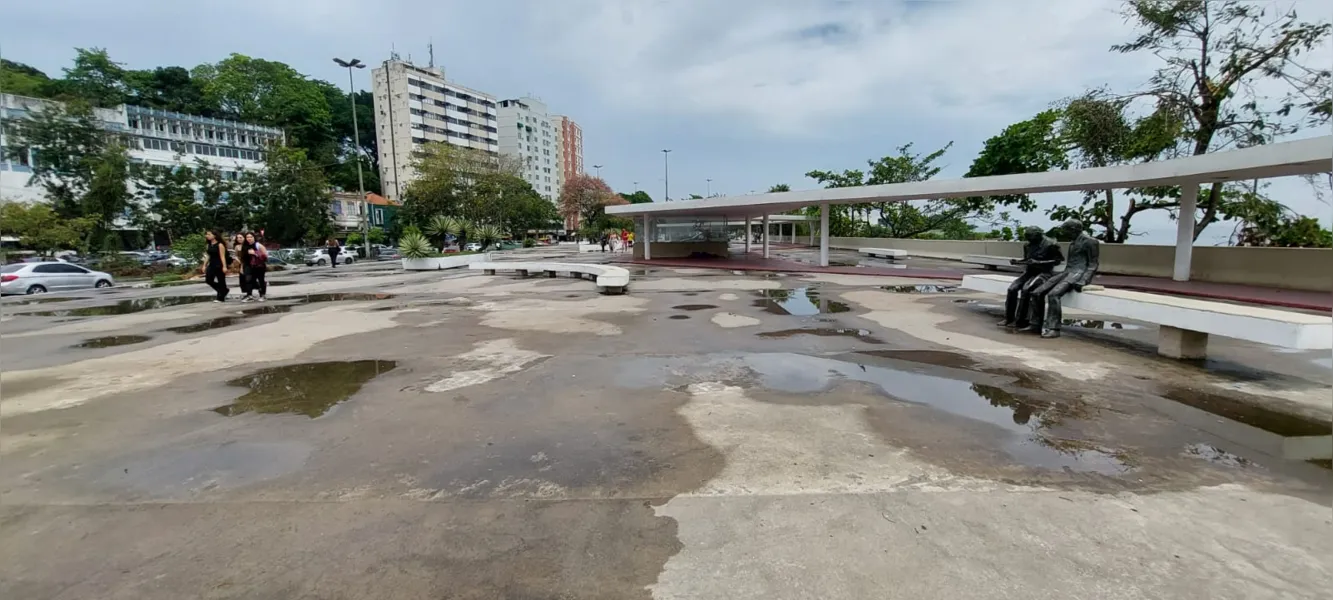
[[709, 190], [356, 141], [666, 176], [599, 170]]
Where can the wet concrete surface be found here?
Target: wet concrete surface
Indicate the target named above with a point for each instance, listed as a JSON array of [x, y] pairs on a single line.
[[622, 452]]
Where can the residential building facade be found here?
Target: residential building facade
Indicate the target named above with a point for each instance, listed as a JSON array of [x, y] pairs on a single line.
[[415, 105], [531, 135], [154, 136], [347, 209], [570, 137]]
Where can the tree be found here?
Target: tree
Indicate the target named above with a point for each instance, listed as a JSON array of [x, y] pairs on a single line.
[[638, 197], [94, 78], [290, 197], [171, 197], [40, 228], [586, 197], [83, 170], [904, 219], [446, 176], [781, 187], [1031, 146], [167, 88], [1214, 52], [272, 93], [1097, 133], [23, 80]]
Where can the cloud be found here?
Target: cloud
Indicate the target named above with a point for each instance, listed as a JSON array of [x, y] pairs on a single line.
[[788, 68]]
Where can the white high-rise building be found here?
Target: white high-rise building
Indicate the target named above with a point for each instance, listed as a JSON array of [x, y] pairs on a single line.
[[415, 105], [530, 134]]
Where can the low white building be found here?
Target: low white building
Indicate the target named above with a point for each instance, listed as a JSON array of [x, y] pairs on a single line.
[[154, 136]]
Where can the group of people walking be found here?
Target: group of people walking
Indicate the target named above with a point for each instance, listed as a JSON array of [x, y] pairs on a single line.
[[621, 240], [245, 251]]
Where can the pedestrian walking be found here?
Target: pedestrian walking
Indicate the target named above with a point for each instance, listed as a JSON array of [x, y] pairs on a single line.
[[215, 265], [258, 265], [237, 263], [605, 240], [333, 249], [243, 257]]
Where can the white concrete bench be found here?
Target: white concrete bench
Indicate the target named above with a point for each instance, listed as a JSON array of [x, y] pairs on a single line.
[[1185, 323], [889, 253], [610, 279], [997, 262]]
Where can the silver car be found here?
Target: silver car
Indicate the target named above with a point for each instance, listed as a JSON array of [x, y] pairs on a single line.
[[42, 277]]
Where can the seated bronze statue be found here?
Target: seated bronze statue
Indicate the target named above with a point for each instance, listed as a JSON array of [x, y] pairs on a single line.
[[1079, 271], [1040, 256]]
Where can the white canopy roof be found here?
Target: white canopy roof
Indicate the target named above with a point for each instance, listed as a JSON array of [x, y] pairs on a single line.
[[1300, 157]]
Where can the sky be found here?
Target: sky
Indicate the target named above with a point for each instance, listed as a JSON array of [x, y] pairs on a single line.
[[747, 93]]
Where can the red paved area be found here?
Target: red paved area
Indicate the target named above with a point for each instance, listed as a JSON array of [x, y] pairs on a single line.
[[1319, 301]]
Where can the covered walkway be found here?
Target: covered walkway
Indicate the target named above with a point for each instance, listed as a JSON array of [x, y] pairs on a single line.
[[1300, 157], [1304, 300]]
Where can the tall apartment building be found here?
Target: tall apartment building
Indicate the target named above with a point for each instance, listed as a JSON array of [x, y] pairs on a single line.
[[570, 138], [415, 105], [528, 133], [154, 136]]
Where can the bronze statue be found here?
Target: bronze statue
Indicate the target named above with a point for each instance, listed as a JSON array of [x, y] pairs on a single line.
[[1079, 271], [1040, 256]]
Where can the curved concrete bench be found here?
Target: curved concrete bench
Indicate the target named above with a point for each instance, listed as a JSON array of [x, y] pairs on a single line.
[[610, 279], [889, 253]]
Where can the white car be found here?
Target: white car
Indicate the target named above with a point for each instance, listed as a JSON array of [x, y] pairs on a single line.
[[320, 256], [42, 277], [472, 247]]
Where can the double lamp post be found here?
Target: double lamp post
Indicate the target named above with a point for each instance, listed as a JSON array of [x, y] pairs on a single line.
[[356, 63]]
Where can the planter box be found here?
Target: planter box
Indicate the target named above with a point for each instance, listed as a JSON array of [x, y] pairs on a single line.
[[442, 262]]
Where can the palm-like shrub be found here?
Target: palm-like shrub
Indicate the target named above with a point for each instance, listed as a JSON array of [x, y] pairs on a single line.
[[444, 226], [415, 245], [487, 235]]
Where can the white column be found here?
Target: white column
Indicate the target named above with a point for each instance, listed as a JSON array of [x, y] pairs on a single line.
[[823, 235], [647, 238], [1189, 200], [765, 225], [749, 233], [811, 225]]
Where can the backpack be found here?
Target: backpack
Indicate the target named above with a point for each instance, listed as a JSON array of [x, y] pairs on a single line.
[[258, 256]]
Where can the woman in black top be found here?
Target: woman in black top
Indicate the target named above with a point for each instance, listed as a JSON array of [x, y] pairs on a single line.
[[333, 249], [215, 265]]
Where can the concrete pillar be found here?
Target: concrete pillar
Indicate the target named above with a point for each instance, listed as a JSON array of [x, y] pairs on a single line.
[[1189, 200], [749, 233], [648, 238], [811, 225], [1181, 343], [823, 234], [765, 226]]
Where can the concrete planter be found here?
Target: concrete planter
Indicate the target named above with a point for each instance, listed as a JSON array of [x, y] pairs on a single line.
[[442, 262]]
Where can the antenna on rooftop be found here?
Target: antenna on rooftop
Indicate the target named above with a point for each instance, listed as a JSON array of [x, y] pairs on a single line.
[[393, 52], [430, 47]]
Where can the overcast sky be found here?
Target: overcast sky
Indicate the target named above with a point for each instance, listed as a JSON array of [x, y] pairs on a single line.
[[748, 93]]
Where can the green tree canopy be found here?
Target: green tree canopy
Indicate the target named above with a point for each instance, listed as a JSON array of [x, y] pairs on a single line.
[[40, 228]]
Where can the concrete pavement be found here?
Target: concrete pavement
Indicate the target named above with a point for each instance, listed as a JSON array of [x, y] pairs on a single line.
[[374, 434]]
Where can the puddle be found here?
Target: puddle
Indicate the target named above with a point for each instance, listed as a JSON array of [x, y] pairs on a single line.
[[282, 305], [308, 389], [694, 307], [1282, 424], [679, 317], [1095, 324], [1216, 456], [184, 472], [1018, 416], [1023, 421], [41, 301], [861, 334], [920, 289], [124, 307], [113, 340], [938, 358], [800, 302]]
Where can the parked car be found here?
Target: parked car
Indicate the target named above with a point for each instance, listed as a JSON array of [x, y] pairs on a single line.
[[320, 257], [51, 276], [472, 247]]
